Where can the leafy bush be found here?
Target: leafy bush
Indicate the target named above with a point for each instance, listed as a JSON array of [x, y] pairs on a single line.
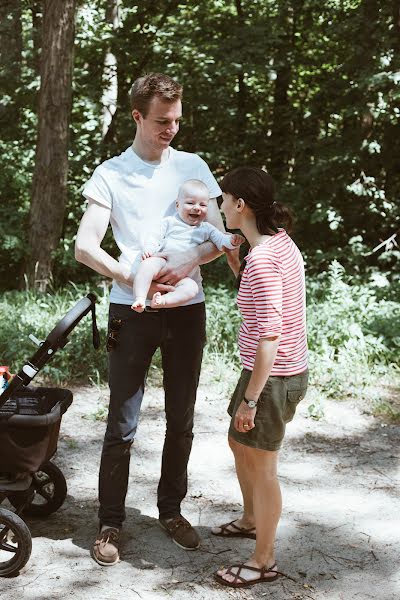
[[353, 334], [223, 320], [24, 313]]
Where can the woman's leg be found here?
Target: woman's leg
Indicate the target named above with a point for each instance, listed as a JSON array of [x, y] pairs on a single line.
[[185, 290], [258, 471], [267, 502], [246, 481], [147, 271]]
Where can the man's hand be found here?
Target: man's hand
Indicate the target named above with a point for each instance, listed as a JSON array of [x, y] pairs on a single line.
[[159, 287], [178, 266], [146, 254]]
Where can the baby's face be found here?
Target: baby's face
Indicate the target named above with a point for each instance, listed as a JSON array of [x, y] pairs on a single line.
[[192, 208]]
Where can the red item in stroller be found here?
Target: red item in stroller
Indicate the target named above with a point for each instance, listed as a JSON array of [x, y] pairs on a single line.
[[30, 420]]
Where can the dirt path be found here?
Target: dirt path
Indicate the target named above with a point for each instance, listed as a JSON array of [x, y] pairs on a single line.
[[338, 537]]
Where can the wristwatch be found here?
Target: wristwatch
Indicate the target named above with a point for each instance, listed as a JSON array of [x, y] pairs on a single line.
[[250, 403]]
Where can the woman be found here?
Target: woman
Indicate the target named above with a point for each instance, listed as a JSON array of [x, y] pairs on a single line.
[[273, 351]]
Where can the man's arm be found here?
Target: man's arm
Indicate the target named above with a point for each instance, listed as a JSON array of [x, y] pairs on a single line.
[[180, 264], [88, 249]]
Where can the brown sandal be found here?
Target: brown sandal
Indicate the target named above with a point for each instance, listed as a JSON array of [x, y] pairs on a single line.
[[240, 581], [238, 531]]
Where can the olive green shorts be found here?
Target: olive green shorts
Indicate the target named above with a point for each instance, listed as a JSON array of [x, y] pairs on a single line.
[[276, 406]]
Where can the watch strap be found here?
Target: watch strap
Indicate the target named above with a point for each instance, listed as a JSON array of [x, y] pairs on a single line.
[[252, 403]]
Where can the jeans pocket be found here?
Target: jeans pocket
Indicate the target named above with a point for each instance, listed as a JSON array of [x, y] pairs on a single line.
[[293, 397], [114, 327]]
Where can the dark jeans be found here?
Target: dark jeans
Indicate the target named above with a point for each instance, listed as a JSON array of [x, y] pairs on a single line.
[[180, 334]]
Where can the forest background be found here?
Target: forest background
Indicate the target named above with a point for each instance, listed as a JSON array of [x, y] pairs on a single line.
[[308, 90]]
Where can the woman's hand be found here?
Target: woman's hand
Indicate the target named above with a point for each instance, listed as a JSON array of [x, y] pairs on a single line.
[[244, 418]]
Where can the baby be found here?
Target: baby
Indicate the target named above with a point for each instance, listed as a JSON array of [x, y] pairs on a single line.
[[186, 229]]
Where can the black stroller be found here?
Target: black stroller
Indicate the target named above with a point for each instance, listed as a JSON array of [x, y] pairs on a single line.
[[30, 420]]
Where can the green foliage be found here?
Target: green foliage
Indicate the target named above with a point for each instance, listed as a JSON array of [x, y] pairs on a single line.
[[314, 98], [352, 334], [223, 320], [24, 313], [386, 410], [316, 410]]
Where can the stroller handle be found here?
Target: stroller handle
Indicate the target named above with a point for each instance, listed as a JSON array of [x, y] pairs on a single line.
[[71, 319], [56, 339]]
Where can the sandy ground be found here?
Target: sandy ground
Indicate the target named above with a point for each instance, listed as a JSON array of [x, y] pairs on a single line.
[[338, 538]]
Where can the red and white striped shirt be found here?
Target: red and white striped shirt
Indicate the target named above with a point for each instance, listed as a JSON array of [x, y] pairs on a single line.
[[271, 300]]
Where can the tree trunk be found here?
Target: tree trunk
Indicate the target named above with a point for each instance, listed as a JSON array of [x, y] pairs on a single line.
[[10, 60], [49, 187], [110, 92]]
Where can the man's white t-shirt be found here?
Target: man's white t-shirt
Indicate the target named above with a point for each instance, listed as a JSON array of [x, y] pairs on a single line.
[[140, 195]]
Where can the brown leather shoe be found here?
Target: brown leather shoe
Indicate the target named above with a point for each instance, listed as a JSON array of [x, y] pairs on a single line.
[[106, 547], [181, 532]]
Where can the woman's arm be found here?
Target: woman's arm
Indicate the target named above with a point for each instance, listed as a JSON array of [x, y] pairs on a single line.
[[264, 278], [265, 357]]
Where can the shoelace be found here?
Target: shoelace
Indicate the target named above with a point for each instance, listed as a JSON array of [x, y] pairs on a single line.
[[179, 522], [109, 535]]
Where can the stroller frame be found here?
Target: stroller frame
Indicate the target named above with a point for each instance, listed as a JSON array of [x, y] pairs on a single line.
[[32, 474]]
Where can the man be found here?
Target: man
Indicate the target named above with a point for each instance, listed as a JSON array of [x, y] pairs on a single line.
[[134, 191]]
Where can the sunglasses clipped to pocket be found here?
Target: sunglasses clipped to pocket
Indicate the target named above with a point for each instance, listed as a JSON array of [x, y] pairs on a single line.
[[112, 341]]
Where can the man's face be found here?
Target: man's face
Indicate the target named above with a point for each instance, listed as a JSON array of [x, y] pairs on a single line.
[[192, 208], [161, 123]]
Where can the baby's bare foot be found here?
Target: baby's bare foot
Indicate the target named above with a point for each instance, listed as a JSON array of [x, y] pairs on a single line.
[[138, 305], [157, 301]]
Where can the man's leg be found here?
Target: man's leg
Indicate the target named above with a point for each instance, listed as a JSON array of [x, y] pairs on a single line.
[[182, 351], [136, 338]]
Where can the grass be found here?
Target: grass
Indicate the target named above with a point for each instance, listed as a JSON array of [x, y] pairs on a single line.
[[353, 334]]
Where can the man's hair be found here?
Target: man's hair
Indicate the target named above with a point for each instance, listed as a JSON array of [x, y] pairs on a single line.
[[191, 186], [154, 84]]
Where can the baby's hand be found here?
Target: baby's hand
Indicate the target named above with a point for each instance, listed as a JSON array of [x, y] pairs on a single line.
[[237, 239], [146, 254]]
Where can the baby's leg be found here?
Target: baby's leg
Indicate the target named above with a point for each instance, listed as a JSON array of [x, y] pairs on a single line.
[[185, 290], [147, 271]]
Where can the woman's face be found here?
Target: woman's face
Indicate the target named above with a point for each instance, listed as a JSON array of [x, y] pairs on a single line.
[[228, 207]]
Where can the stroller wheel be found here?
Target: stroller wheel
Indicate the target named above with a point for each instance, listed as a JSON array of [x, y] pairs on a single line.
[[50, 490], [15, 543]]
